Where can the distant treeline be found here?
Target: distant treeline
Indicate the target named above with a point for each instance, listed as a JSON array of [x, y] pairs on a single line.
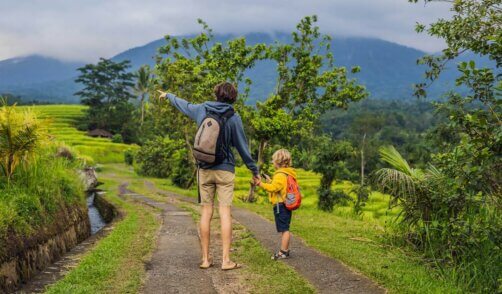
[[13, 99]]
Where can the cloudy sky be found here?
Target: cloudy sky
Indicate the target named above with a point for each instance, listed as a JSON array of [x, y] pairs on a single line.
[[85, 30]]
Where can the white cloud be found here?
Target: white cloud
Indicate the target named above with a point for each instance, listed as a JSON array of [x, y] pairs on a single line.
[[88, 29]]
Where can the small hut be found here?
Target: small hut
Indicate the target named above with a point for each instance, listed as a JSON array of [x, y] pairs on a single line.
[[99, 133]]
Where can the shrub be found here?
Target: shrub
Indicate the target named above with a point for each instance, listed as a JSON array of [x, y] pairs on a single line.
[[155, 158], [329, 198], [330, 162], [362, 194], [447, 222], [117, 138], [21, 133], [129, 157], [183, 171]]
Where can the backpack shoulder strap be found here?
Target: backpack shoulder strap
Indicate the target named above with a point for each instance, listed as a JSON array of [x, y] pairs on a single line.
[[228, 114]]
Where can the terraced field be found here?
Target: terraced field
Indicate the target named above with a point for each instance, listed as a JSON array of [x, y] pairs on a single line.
[[62, 120]]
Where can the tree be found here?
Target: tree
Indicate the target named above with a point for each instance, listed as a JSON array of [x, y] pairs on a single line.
[[330, 162], [190, 68], [473, 158], [106, 91], [308, 82], [142, 87], [455, 208], [308, 85]]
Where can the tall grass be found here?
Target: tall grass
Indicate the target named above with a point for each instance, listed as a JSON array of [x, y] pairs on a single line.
[[37, 191]]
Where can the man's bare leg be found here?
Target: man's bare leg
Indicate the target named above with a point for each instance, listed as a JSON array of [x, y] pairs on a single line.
[[205, 232], [226, 235]]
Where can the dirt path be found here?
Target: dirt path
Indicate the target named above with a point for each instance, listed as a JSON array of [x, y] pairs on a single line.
[[326, 274], [174, 264]]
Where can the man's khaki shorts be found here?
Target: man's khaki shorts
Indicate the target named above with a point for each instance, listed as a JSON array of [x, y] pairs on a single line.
[[218, 182]]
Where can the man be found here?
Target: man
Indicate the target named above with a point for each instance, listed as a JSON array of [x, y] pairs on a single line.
[[218, 179]]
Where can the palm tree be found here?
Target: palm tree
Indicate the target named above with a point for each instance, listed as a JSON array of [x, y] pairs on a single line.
[[20, 135], [142, 86], [411, 188]]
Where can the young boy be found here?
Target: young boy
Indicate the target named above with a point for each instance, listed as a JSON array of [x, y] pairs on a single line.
[[277, 195]]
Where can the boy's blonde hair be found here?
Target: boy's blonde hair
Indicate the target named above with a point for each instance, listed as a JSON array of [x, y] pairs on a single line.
[[282, 158]]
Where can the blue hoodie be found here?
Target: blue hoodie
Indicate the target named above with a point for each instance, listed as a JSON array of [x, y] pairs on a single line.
[[234, 132]]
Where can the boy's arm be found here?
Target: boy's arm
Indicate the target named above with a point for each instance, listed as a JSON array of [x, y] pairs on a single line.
[[276, 185], [240, 142], [187, 108]]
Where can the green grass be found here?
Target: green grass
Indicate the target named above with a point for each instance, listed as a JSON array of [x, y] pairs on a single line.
[[116, 264], [62, 120], [38, 191]]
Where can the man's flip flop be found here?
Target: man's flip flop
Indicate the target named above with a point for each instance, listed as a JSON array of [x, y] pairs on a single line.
[[235, 266], [206, 267]]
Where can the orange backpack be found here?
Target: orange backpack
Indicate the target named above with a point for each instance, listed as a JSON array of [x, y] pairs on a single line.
[[293, 195]]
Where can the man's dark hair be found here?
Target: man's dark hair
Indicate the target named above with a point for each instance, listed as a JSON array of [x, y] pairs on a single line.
[[225, 92]]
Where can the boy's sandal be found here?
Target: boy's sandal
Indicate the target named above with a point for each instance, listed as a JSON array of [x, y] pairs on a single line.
[[281, 254], [235, 266]]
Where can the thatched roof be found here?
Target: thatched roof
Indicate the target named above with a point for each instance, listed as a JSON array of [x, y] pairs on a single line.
[[99, 133]]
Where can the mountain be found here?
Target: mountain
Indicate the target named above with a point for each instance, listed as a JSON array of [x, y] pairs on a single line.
[[388, 70]]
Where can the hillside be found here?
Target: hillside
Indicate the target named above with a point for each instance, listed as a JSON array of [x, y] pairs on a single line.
[[62, 119], [387, 69]]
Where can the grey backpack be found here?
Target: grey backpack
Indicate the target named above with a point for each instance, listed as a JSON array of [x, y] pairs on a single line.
[[210, 142]]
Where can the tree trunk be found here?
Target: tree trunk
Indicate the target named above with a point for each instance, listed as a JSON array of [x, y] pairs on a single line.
[[362, 160], [192, 159], [261, 150], [142, 108], [252, 188]]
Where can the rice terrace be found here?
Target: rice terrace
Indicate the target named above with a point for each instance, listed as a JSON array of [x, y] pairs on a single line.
[[325, 152]]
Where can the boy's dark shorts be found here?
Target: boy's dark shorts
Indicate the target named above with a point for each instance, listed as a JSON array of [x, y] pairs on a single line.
[[283, 218]]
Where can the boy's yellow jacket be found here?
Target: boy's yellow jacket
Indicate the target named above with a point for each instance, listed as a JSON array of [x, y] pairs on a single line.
[[277, 188]]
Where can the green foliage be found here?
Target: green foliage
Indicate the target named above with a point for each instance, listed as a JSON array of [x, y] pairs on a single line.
[[408, 125], [129, 157], [308, 85], [21, 133], [159, 157], [142, 87], [117, 138], [362, 195], [329, 198], [444, 219], [107, 93], [330, 162], [183, 169], [38, 190]]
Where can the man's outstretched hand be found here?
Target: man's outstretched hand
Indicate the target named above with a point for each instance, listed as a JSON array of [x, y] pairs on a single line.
[[162, 95]]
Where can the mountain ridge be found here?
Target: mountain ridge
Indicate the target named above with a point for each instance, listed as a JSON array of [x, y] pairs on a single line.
[[388, 70]]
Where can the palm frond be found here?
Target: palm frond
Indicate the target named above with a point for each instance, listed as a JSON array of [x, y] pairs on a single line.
[[390, 155], [395, 182]]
